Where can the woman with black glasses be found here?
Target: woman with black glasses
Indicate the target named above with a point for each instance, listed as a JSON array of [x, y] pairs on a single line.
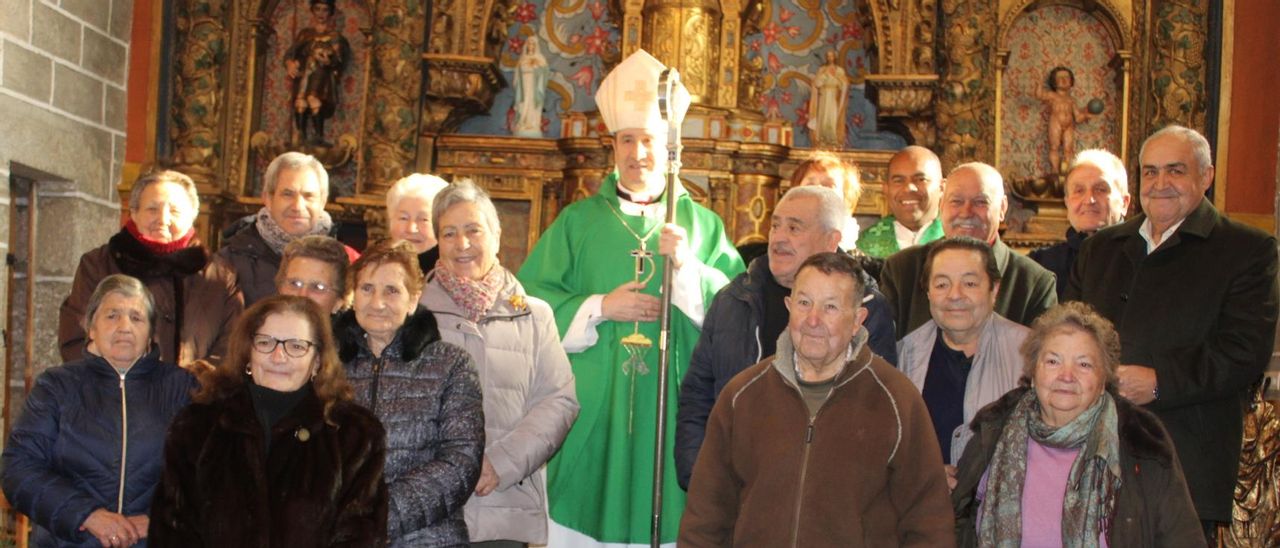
[[273, 452]]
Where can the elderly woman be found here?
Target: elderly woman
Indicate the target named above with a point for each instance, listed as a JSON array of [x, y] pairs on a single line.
[[196, 299], [1066, 461], [273, 452], [424, 390], [409, 215], [529, 400], [315, 267], [84, 457]]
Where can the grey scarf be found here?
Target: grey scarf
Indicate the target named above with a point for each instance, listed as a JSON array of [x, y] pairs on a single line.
[[277, 238]]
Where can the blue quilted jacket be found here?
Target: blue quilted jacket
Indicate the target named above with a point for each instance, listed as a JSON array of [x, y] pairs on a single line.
[[76, 448]]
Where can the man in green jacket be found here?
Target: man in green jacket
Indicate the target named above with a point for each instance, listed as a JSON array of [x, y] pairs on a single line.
[[912, 192]]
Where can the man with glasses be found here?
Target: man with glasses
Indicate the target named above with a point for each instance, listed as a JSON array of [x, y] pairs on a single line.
[[314, 267]]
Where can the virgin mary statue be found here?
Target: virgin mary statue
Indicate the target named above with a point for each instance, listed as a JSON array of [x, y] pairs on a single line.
[[531, 90]]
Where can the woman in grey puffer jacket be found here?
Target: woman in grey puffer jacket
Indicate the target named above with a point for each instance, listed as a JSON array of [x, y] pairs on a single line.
[[425, 392]]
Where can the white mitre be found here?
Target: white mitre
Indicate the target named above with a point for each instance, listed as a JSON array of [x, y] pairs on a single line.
[[628, 96]]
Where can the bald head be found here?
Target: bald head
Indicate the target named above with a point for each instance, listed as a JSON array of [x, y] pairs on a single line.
[[914, 186], [973, 202]]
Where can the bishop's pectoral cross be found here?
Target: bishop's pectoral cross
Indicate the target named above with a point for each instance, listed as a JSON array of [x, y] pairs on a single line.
[[641, 256]]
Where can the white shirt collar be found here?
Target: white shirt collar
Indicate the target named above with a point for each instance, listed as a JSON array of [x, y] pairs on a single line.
[[1145, 232], [907, 237]]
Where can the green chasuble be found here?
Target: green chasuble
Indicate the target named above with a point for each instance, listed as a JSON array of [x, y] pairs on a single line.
[[600, 483], [880, 240]]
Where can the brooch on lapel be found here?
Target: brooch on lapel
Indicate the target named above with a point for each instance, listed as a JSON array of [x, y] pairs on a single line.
[[517, 302]]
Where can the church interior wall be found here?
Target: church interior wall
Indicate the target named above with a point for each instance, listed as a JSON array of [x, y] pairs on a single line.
[[63, 79]]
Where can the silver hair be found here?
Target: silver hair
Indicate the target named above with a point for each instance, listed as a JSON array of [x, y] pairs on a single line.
[[295, 160], [164, 176], [416, 184], [464, 191], [831, 208], [1199, 145], [986, 173], [1113, 170], [125, 286]]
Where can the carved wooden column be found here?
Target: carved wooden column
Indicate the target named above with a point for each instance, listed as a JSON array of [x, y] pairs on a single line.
[[199, 70], [755, 191], [966, 120], [1176, 62], [587, 161], [390, 118]]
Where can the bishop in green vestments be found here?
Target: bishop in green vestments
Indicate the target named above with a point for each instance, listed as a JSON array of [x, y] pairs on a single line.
[[599, 485]]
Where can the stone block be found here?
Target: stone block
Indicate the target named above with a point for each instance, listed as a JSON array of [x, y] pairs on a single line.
[[28, 72], [60, 245], [105, 57], [53, 143], [122, 19], [115, 105], [55, 33], [49, 297], [15, 18], [93, 12], [77, 93]]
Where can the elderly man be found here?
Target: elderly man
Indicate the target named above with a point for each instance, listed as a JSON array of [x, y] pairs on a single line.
[[315, 267], [973, 205], [1194, 298], [295, 188], [746, 317], [912, 191], [1097, 196], [595, 265], [822, 444], [966, 356]]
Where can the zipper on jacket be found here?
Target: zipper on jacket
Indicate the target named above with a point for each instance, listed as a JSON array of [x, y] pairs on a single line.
[[373, 390], [759, 347], [124, 443], [804, 469]]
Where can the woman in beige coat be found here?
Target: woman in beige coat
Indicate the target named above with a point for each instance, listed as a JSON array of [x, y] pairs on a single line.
[[529, 399]]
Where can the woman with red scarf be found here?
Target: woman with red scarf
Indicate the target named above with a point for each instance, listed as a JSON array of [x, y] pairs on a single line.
[[196, 299]]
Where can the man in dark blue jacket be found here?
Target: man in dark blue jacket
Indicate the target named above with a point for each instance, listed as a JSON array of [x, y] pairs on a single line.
[[747, 316]]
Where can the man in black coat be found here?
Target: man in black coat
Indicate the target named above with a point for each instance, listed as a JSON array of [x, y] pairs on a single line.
[[747, 316], [1097, 196], [1194, 298], [973, 205]]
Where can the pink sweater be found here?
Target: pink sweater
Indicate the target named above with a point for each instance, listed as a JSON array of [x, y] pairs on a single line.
[[1043, 491]]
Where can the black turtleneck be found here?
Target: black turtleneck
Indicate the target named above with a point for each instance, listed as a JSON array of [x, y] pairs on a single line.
[[272, 405]]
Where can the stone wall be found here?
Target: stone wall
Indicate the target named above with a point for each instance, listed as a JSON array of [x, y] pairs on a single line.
[[63, 66]]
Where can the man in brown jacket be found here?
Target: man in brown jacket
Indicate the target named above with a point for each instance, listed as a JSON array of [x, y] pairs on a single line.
[[823, 444]]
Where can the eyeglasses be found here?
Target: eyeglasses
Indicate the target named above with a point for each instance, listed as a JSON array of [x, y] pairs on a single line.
[[313, 287], [295, 348]]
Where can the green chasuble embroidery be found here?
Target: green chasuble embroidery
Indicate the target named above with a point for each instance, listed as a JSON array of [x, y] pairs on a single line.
[[600, 482], [881, 241]]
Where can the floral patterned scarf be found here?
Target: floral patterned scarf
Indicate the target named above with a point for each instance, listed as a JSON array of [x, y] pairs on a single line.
[[475, 297], [1091, 483]]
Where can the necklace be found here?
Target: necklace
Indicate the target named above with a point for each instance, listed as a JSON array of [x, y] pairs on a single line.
[[642, 255]]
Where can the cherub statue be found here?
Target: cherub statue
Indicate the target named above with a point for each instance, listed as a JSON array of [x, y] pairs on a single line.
[[1063, 115]]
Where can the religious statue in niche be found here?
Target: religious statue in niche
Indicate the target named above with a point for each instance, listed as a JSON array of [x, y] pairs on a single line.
[[531, 90], [1064, 114], [314, 64], [828, 100]]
